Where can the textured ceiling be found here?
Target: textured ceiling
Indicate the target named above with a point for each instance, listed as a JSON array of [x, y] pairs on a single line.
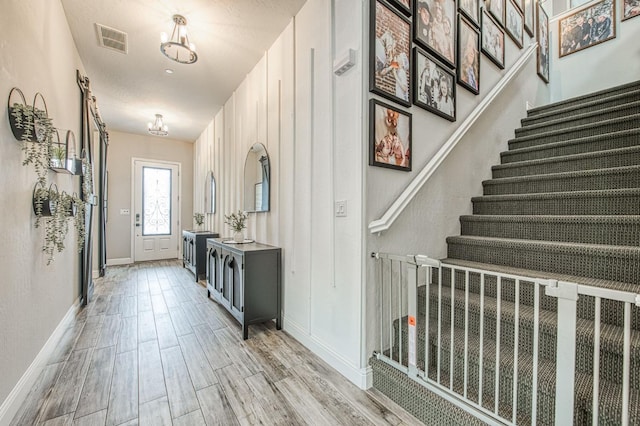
[[230, 37]]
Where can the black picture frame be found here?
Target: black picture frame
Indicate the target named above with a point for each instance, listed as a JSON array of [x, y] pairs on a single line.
[[514, 23], [529, 13], [471, 10], [575, 29], [442, 43], [496, 8], [404, 6], [542, 29], [630, 9], [389, 53], [429, 75], [389, 136], [468, 55], [492, 40]]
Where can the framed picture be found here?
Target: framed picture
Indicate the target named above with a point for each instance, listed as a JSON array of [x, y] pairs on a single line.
[[631, 9], [434, 28], [468, 56], [403, 5], [471, 10], [389, 136], [529, 16], [389, 53], [434, 88], [514, 23], [496, 8], [492, 40], [587, 27], [543, 44]]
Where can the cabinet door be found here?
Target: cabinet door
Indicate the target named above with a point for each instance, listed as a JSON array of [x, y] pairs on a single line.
[[213, 271], [237, 292], [192, 254], [185, 255], [227, 278]]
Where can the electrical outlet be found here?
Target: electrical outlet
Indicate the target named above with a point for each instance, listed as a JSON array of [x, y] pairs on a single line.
[[124, 211], [341, 208]]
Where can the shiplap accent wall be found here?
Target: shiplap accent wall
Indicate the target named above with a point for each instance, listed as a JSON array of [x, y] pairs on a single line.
[[289, 103]]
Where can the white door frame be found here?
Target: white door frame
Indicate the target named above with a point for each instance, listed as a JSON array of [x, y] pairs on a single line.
[[133, 200]]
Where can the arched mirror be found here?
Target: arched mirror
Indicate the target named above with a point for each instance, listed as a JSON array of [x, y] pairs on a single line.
[[210, 193], [257, 177]]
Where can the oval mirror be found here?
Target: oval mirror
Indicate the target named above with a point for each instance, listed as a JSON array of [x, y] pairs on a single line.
[[210, 193], [257, 175]]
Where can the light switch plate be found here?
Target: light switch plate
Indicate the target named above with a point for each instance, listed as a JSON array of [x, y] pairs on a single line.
[[341, 208]]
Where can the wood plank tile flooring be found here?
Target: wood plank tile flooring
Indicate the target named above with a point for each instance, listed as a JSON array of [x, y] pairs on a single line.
[[151, 349]]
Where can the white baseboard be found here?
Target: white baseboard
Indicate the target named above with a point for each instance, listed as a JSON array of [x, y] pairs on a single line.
[[120, 261], [95, 274], [11, 405], [361, 377]]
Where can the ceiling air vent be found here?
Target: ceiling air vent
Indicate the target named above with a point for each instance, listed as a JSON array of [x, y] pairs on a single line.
[[111, 38]]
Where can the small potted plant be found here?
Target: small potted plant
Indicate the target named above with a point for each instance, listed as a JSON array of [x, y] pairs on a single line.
[[199, 218], [237, 222]]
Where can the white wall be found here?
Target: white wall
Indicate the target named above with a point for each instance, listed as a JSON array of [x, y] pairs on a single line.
[[598, 67], [37, 55], [123, 147], [311, 124]]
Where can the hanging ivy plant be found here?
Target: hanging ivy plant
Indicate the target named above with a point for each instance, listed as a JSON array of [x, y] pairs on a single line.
[[79, 221], [36, 137], [87, 178]]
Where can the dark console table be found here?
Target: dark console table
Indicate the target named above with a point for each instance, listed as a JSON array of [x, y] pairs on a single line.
[[246, 279], [194, 247]]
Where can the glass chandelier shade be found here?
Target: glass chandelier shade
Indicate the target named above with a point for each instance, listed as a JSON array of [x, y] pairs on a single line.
[[158, 128], [178, 48]]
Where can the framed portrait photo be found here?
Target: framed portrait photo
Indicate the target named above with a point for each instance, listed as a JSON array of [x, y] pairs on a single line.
[[471, 10], [492, 40], [631, 9], [514, 23], [529, 16], [468, 56], [434, 87], [403, 6], [389, 53], [434, 28], [389, 136], [496, 8], [543, 44], [587, 27]]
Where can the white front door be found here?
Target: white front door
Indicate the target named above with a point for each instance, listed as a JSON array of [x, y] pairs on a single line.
[[156, 187]]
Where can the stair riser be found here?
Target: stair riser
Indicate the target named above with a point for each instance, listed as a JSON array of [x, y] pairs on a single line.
[[603, 160], [587, 108], [587, 205], [569, 122], [585, 99], [588, 141], [619, 180], [621, 234], [593, 265]]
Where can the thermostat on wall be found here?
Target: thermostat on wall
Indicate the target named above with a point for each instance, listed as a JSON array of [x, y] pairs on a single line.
[[344, 62]]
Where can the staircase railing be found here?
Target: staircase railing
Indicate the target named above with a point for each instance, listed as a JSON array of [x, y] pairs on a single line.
[[425, 300], [392, 213]]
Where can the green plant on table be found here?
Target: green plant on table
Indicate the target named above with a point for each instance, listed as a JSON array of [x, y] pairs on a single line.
[[237, 221]]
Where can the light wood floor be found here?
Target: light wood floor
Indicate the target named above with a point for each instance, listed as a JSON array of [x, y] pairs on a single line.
[[151, 349]]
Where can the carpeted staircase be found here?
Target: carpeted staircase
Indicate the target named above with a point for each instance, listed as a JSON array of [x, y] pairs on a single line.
[[565, 204]]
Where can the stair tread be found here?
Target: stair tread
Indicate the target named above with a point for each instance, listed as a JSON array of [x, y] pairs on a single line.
[[630, 117], [631, 86], [573, 141], [579, 116], [532, 273], [611, 334], [560, 195], [564, 175], [564, 158], [560, 245], [592, 219], [570, 108]]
